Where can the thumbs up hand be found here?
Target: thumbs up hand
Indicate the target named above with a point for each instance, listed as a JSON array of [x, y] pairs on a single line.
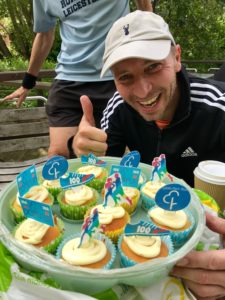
[[89, 139]]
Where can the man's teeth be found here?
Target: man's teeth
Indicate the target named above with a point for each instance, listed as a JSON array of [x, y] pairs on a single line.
[[150, 101]]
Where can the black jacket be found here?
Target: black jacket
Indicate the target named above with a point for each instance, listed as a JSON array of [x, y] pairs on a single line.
[[196, 133]]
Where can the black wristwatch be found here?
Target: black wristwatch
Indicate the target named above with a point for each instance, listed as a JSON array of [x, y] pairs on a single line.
[[70, 148]]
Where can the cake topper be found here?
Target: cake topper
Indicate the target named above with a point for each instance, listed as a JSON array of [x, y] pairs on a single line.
[[75, 179], [114, 193], [159, 168], [145, 229], [89, 227], [38, 211], [55, 167], [91, 159], [130, 159], [172, 197]]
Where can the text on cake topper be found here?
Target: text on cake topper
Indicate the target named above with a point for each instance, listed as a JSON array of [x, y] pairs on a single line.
[[91, 159], [75, 179]]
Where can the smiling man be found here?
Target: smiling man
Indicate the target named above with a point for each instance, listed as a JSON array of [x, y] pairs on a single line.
[[158, 107]]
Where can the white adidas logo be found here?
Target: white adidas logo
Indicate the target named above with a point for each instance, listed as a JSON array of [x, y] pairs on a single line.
[[189, 152]]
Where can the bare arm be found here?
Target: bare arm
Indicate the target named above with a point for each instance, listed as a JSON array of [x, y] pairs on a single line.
[[144, 5], [41, 47]]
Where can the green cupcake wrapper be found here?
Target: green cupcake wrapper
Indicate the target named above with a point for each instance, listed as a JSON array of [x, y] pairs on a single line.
[[52, 246], [98, 183], [75, 212], [54, 191]]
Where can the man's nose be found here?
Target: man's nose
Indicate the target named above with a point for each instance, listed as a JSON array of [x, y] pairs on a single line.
[[142, 88]]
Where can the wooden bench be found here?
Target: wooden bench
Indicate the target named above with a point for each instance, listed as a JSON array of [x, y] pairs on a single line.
[[21, 130]]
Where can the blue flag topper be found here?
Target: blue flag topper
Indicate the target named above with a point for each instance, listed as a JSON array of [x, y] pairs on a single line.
[[26, 179], [130, 175], [91, 159], [131, 159], [173, 197], [74, 179], [145, 229], [114, 194], [90, 227], [38, 211], [159, 168], [54, 168]]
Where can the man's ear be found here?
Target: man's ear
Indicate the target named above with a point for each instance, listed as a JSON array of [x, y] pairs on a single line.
[[178, 58]]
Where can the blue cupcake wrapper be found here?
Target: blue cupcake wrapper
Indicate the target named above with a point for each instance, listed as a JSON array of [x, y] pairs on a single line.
[[146, 202], [109, 244], [179, 238], [127, 262]]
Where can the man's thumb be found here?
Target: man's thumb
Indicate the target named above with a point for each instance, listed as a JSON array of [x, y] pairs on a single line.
[[87, 110]]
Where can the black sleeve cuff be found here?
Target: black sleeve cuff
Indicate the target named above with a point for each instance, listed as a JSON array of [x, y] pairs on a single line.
[[70, 148]]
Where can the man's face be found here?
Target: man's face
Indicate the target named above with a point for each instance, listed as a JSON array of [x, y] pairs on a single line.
[[149, 86]]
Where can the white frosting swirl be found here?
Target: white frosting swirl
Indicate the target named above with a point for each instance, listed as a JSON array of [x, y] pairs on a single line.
[[107, 214], [91, 252], [151, 188], [96, 171], [131, 192], [31, 231], [78, 195], [172, 219], [52, 183], [145, 246], [37, 193]]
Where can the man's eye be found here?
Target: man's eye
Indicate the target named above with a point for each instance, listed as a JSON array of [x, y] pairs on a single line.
[[124, 78], [153, 68]]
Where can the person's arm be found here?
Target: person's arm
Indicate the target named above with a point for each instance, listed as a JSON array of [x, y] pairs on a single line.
[[144, 5], [204, 272], [41, 47]]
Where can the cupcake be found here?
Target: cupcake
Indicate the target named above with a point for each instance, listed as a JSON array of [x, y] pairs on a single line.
[[97, 253], [148, 192], [36, 193], [76, 201], [139, 249], [100, 174], [53, 186], [180, 223], [113, 220], [40, 235], [134, 195]]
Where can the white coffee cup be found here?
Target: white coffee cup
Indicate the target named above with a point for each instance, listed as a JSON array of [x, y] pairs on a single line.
[[209, 176]]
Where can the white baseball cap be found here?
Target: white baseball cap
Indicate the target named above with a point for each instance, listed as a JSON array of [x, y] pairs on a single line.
[[140, 34]]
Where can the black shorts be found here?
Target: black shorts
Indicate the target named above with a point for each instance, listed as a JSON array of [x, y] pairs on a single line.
[[63, 107]]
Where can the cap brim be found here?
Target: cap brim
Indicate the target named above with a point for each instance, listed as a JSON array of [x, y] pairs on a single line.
[[152, 50]]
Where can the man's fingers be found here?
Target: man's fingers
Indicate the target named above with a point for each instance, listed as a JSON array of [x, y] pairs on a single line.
[[200, 276], [87, 110], [205, 292], [215, 223], [85, 146], [211, 260]]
